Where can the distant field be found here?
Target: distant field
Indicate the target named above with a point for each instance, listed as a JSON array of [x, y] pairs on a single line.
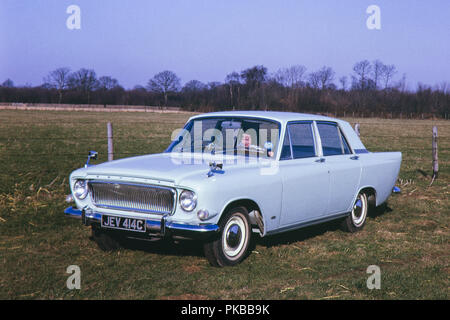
[[84, 107], [408, 239]]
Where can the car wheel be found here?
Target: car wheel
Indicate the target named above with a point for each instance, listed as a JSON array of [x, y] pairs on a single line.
[[357, 218], [233, 243], [104, 240]]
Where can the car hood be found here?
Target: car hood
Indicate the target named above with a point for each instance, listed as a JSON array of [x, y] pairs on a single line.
[[170, 167]]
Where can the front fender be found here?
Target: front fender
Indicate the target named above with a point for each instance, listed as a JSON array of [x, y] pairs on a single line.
[[216, 193]]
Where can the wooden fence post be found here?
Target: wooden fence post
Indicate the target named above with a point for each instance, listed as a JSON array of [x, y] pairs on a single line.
[[110, 142], [435, 154], [357, 129]]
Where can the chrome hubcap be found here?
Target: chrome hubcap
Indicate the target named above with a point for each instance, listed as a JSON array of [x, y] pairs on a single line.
[[359, 210], [234, 237]]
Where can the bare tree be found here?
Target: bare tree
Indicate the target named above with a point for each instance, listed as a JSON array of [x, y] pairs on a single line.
[[291, 77], [254, 79], [58, 79], [84, 80], [107, 83], [108, 89], [254, 76], [378, 70], [164, 83], [326, 76], [194, 85], [343, 81], [363, 70], [8, 83], [213, 85], [314, 80], [401, 84], [388, 74], [233, 80], [322, 79]]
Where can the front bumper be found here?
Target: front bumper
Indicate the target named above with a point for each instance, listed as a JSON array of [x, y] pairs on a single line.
[[155, 228]]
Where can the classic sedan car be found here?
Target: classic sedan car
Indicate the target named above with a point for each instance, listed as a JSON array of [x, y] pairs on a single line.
[[228, 175]]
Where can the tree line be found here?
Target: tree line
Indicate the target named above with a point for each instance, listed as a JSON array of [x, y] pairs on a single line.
[[370, 88]]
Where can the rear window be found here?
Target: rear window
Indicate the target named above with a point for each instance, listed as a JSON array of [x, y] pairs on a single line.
[[333, 142]]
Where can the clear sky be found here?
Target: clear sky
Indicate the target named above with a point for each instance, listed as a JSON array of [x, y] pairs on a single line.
[[207, 39]]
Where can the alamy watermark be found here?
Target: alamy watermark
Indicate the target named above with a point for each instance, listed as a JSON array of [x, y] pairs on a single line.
[[374, 280], [227, 146], [74, 280], [73, 22], [373, 22]]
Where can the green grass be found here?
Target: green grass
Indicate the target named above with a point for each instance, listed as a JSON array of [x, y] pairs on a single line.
[[408, 240]]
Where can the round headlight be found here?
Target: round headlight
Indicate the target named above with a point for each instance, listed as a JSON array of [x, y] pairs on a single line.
[[188, 200], [80, 189]]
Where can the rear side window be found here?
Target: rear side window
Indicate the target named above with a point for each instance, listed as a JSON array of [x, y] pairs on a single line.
[[333, 142], [301, 140]]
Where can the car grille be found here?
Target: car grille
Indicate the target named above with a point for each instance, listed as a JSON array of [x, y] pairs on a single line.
[[133, 197]]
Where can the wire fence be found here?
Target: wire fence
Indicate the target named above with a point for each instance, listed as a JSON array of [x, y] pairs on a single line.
[[7, 142]]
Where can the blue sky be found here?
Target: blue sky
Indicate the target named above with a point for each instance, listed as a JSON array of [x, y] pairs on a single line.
[[206, 40]]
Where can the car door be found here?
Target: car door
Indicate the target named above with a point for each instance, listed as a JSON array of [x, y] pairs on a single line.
[[304, 176], [343, 165]]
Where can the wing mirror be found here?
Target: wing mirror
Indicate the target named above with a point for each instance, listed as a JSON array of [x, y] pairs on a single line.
[[215, 168], [91, 155]]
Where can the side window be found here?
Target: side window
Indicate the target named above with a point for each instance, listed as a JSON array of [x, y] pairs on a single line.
[[333, 142], [286, 148], [302, 140]]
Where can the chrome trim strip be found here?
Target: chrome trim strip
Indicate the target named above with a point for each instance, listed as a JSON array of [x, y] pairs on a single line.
[[73, 213], [127, 209], [307, 223], [137, 201], [191, 227]]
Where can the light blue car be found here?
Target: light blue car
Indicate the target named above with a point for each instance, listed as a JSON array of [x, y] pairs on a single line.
[[227, 175]]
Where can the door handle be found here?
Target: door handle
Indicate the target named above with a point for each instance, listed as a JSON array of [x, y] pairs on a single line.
[[354, 157], [320, 160]]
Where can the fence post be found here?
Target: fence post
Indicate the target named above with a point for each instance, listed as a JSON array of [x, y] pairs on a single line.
[[110, 142], [435, 154], [357, 129]]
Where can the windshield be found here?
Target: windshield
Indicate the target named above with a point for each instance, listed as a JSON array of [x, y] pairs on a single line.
[[229, 136]]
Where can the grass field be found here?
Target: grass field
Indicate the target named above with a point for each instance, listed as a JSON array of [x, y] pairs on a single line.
[[408, 239]]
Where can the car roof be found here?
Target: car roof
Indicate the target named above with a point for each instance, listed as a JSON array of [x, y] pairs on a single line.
[[285, 117], [279, 116]]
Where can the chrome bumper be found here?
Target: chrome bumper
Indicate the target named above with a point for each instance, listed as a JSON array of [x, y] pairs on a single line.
[[160, 228]]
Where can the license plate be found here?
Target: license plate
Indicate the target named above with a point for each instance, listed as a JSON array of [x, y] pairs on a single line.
[[123, 223]]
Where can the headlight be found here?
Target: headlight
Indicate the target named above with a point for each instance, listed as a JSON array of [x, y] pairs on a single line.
[[80, 189], [188, 200]]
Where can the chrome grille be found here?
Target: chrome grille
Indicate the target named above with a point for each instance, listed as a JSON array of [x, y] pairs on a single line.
[[132, 197]]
